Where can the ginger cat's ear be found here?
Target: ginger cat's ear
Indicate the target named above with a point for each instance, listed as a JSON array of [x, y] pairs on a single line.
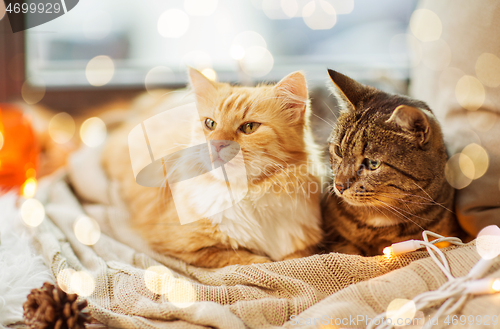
[[293, 90], [347, 91], [203, 88]]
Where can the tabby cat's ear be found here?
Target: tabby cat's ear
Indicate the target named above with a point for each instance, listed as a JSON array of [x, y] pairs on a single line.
[[347, 91], [412, 120], [201, 85], [293, 90]]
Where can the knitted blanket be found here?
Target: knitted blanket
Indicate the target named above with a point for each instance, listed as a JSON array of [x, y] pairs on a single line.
[[128, 285]]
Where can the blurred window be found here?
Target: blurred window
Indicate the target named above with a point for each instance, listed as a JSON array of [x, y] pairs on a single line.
[[132, 43]]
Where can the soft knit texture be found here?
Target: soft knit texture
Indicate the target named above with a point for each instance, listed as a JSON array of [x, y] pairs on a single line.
[[177, 295]]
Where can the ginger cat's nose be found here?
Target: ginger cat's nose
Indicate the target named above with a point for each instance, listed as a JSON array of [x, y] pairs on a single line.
[[219, 145]]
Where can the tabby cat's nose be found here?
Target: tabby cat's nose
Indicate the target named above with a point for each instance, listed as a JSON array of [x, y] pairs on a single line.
[[340, 187]]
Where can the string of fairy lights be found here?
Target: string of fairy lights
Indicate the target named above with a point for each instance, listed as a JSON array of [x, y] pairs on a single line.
[[453, 294]]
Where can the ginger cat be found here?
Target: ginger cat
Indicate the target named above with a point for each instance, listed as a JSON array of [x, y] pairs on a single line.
[[279, 217]]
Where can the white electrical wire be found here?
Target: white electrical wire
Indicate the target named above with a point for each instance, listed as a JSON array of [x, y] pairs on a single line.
[[455, 291]]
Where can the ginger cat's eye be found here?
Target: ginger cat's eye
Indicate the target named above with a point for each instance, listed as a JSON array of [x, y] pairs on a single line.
[[372, 164], [336, 149], [210, 124], [249, 127]]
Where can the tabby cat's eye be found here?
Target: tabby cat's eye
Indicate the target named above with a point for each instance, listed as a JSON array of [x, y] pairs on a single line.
[[372, 164], [210, 124], [249, 127], [336, 149]]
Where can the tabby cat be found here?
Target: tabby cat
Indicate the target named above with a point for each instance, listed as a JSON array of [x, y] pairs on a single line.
[[277, 219], [388, 159]]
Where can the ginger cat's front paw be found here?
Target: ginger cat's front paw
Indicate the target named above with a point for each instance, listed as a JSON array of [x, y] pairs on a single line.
[[253, 259], [300, 253], [213, 257]]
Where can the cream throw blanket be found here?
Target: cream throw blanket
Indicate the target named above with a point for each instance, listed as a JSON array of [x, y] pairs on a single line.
[[257, 296], [470, 30]]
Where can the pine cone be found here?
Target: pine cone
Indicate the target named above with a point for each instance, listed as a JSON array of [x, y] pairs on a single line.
[[51, 308]]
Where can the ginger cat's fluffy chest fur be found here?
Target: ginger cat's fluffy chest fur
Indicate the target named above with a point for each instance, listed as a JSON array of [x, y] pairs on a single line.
[[272, 224]]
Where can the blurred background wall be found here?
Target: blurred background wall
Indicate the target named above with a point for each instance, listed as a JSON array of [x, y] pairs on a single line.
[[135, 45]]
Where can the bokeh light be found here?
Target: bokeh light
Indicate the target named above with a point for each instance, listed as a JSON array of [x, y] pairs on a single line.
[[82, 283], [453, 171], [198, 59], [479, 158], [401, 308], [290, 7], [28, 189], [470, 93], [64, 280], [319, 15], [488, 242], [76, 282], [237, 52], [93, 132], [482, 120], [436, 55], [158, 279], [466, 165], [209, 73], [100, 70], [98, 25], [387, 252], [87, 230], [157, 76], [33, 90], [425, 25], [496, 285], [257, 62], [246, 40], [181, 293], [1, 140], [62, 128], [200, 7], [173, 23], [32, 212], [488, 70], [251, 48]]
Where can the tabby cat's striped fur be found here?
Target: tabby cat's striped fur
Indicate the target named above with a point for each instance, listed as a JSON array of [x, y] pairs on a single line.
[[388, 159]]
